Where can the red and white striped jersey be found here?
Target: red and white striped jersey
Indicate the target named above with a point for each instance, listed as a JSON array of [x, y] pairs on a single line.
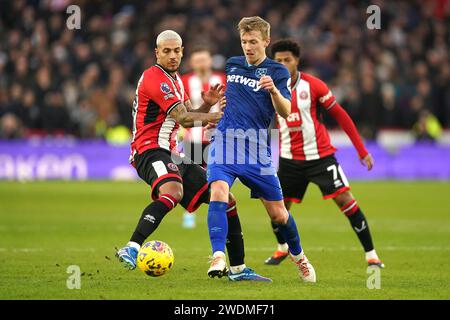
[[302, 135], [194, 87], [157, 94]]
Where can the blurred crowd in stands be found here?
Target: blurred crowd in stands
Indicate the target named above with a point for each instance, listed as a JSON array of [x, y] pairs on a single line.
[[56, 81]]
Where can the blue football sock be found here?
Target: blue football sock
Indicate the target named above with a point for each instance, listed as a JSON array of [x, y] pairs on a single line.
[[217, 225], [290, 234]]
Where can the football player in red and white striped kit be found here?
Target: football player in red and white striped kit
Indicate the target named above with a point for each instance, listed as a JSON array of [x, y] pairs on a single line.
[[306, 154]]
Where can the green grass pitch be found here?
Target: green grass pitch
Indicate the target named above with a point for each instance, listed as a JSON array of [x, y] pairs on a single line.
[[47, 226]]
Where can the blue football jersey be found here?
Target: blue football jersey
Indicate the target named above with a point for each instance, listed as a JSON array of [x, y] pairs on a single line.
[[241, 148], [249, 111], [248, 105]]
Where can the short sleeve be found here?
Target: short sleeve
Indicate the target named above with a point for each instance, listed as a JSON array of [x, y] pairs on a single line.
[[283, 81], [227, 66], [162, 92], [324, 95]]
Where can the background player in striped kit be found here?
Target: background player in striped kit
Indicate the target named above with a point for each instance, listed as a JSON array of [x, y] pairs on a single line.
[[196, 82], [306, 154]]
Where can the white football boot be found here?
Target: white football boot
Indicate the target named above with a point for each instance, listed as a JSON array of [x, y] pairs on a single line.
[[218, 267], [305, 268]]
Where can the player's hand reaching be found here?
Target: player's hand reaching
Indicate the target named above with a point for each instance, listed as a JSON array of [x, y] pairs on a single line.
[[213, 95], [222, 103], [368, 161], [266, 82]]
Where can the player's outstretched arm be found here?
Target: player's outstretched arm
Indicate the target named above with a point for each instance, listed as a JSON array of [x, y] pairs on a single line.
[[189, 119], [347, 124], [280, 103]]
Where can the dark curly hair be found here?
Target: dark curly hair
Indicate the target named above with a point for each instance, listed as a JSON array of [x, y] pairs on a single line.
[[285, 45]]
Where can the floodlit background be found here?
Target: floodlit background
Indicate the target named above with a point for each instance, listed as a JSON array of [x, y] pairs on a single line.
[[65, 114]]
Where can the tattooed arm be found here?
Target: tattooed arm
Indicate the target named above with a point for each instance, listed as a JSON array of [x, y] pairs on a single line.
[[188, 119]]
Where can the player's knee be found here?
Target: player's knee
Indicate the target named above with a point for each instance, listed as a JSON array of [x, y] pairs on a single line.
[[343, 199], [280, 216], [177, 193], [281, 219], [219, 192], [173, 189]]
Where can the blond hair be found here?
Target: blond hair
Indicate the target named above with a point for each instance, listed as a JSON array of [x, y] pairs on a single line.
[[254, 23], [168, 35]]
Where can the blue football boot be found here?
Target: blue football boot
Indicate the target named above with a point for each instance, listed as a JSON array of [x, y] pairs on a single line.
[[247, 275], [128, 255]]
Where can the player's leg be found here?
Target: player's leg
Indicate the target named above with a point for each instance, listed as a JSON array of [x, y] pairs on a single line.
[[288, 229], [197, 155], [184, 146], [169, 195], [218, 227], [196, 192], [282, 250], [235, 248], [265, 185], [294, 184], [220, 178], [157, 169], [235, 238], [331, 179], [235, 243], [195, 184], [348, 205]]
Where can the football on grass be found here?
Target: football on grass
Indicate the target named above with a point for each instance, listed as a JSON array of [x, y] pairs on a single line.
[[155, 258]]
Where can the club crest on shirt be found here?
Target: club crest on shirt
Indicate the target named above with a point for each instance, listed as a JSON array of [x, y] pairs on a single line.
[[165, 88], [172, 166], [303, 95], [260, 72]]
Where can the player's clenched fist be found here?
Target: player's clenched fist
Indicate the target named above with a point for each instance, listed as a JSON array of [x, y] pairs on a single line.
[[266, 82]]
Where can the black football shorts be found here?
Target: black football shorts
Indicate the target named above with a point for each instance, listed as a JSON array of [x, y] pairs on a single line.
[[158, 166], [326, 173]]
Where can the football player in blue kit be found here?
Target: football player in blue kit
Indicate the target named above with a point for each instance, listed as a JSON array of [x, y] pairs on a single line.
[[257, 87]]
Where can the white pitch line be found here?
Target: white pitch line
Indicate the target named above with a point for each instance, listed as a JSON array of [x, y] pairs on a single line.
[[80, 250], [45, 249], [27, 249], [254, 249]]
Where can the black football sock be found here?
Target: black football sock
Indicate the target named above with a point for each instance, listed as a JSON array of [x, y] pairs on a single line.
[[152, 217], [235, 239], [359, 224], [277, 233]]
